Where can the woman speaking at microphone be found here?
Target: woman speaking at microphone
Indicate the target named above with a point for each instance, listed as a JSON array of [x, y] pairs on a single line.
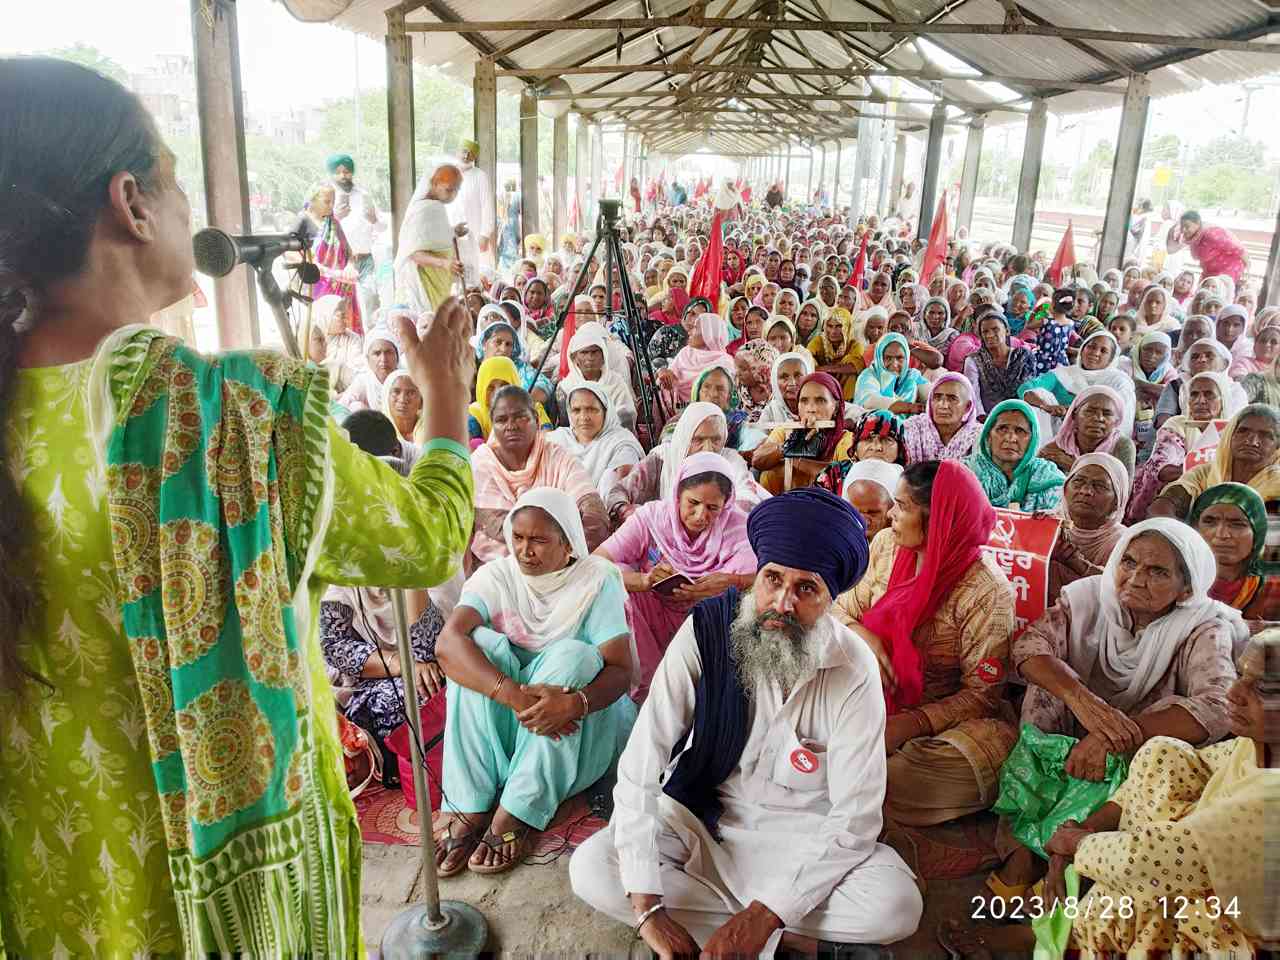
[[170, 776]]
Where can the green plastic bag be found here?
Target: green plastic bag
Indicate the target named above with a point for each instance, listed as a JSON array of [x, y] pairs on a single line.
[[1037, 794], [1053, 929]]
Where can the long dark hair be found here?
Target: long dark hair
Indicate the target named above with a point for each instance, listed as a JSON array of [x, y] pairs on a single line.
[[65, 131]]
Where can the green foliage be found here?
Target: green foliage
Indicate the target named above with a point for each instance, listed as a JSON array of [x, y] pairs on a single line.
[[92, 58], [1161, 151], [1226, 185], [1233, 150]]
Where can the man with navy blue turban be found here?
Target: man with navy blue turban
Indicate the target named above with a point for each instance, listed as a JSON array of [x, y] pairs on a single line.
[[749, 795]]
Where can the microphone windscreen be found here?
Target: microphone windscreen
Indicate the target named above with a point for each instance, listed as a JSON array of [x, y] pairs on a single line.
[[215, 252], [308, 273]]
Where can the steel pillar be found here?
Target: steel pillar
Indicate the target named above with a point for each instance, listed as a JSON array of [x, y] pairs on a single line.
[[969, 176], [899, 168], [485, 98], [1124, 171], [529, 194], [932, 167], [1024, 216], [226, 177]]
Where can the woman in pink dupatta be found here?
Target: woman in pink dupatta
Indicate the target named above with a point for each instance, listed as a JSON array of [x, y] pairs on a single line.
[[332, 254], [698, 532], [951, 412], [1217, 249], [707, 342], [516, 459]]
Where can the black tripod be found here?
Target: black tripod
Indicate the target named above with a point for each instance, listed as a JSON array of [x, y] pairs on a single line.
[[633, 314]]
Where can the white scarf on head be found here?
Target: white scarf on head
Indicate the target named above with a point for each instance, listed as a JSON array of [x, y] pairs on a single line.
[[1101, 634], [598, 454], [776, 410], [612, 380], [1076, 378], [535, 612]]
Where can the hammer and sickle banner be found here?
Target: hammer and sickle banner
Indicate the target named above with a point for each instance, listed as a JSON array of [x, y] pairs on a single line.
[[1205, 447], [1021, 544]]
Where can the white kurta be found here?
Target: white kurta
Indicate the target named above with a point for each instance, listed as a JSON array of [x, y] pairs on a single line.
[[475, 206], [801, 841], [355, 222]]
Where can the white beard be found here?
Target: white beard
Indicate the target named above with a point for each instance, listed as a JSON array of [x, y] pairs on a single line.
[[782, 657]]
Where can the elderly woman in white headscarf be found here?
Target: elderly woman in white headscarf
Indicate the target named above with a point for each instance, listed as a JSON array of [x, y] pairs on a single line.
[[788, 370], [1201, 356], [702, 428], [381, 356], [426, 256], [589, 362], [1096, 364], [1094, 499], [871, 485], [595, 435], [1138, 652], [538, 658]]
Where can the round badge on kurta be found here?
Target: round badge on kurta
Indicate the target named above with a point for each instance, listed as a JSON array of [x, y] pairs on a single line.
[[990, 670], [806, 761]]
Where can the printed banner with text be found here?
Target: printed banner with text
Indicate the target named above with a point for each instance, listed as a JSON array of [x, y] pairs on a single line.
[[1020, 545]]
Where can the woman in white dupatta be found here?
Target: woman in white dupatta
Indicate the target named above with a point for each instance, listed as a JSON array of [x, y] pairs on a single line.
[[590, 362], [595, 435], [1140, 651], [538, 658], [781, 407], [426, 258]]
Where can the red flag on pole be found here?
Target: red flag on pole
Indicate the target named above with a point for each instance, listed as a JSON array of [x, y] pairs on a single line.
[[617, 179], [570, 328], [859, 265], [936, 253], [1064, 259], [705, 281]]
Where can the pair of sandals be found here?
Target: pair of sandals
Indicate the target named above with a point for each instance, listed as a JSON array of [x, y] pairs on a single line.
[[470, 841]]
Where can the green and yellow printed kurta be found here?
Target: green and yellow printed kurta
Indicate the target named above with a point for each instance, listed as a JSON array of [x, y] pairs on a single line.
[[178, 786]]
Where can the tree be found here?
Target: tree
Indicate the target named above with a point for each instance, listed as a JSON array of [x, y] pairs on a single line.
[[1236, 151], [93, 58], [1161, 151]]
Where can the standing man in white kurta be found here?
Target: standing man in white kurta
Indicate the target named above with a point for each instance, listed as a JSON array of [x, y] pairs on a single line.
[[749, 796], [475, 206]]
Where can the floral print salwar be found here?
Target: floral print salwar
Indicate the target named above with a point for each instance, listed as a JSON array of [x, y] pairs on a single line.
[[177, 788]]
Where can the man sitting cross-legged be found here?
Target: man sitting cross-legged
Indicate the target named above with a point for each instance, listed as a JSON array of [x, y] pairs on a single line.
[[749, 796]]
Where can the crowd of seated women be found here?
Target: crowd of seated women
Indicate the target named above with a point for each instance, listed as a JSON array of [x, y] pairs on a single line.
[[827, 360]]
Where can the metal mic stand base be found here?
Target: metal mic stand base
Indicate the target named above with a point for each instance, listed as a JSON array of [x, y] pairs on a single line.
[[410, 936], [434, 927]]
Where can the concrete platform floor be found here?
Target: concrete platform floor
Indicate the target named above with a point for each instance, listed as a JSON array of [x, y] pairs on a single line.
[[532, 911]]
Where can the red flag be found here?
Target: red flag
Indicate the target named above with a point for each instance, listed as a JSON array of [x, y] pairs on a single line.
[[573, 212], [705, 281], [566, 334], [936, 253], [617, 179], [859, 265], [1064, 259]]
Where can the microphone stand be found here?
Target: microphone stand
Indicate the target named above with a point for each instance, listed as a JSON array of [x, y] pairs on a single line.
[[279, 301], [436, 927]]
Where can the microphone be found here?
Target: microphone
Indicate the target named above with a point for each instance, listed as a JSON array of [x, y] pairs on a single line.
[[217, 252]]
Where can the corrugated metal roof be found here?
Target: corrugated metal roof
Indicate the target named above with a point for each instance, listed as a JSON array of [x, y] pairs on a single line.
[[1046, 59]]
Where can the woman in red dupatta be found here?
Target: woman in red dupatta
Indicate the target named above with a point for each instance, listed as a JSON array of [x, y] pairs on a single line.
[[939, 619]]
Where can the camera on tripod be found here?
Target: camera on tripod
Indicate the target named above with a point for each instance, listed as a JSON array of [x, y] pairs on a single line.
[[610, 211]]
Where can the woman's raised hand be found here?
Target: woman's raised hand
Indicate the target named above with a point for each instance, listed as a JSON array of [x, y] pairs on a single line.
[[442, 364]]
